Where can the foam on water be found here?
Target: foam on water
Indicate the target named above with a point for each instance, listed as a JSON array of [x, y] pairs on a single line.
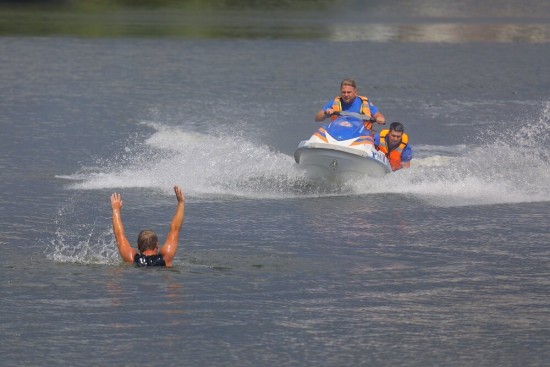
[[79, 237], [207, 165], [507, 166]]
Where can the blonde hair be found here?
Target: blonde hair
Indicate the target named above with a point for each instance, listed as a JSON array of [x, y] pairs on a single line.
[[147, 240], [349, 82]]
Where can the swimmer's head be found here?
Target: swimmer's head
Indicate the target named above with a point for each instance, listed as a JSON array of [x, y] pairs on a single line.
[[147, 240]]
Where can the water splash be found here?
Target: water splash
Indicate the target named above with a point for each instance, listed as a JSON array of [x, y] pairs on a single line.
[[506, 166], [510, 165], [207, 165], [86, 241]]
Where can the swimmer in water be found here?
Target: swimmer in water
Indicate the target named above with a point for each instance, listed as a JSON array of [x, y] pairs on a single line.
[[149, 253]]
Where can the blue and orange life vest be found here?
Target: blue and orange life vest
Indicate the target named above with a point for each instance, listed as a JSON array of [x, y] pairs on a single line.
[[365, 109], [394, 155]]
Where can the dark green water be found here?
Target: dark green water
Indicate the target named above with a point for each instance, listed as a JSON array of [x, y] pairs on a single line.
[[348, 20]]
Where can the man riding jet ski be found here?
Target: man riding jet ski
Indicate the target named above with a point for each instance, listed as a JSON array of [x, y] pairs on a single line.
[[342, 150], [394, 143], [348, 147], [349, 101]]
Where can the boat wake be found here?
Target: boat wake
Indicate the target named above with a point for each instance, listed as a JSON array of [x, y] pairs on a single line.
[[507, 166], [207, 166], [511, 165]]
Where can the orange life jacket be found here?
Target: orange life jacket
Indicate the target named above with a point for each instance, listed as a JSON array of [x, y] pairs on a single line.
[[394, 155], [365, 109]]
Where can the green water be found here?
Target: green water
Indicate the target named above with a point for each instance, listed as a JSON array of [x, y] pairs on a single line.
[[340, 20], [168, 18]]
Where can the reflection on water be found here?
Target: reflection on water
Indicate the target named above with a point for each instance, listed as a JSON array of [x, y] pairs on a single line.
[[305, 19], [443, 32]]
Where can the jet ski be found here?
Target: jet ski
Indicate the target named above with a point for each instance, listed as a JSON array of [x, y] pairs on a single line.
[[341, 151]]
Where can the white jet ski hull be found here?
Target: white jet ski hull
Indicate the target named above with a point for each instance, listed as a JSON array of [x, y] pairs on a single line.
[[339, 163]]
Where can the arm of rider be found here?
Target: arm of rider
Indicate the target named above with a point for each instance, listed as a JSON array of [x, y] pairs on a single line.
[[379, 118], [170, 247], [406, 157], [322, 114], [124, 248]]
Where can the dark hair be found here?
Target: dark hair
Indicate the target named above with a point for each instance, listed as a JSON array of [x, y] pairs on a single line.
[[147, 240], [397, 126]]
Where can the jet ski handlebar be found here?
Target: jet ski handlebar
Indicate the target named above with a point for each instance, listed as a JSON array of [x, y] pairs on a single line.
[[354, 114]]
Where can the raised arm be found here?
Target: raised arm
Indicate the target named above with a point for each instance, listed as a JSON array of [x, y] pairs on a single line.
[[170, 247], [124, 249]]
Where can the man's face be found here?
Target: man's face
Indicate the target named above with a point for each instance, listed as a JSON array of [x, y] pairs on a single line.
[[348, 93], [394, 137]]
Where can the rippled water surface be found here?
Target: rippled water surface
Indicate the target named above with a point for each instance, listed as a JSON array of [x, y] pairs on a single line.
[[444, 264]]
